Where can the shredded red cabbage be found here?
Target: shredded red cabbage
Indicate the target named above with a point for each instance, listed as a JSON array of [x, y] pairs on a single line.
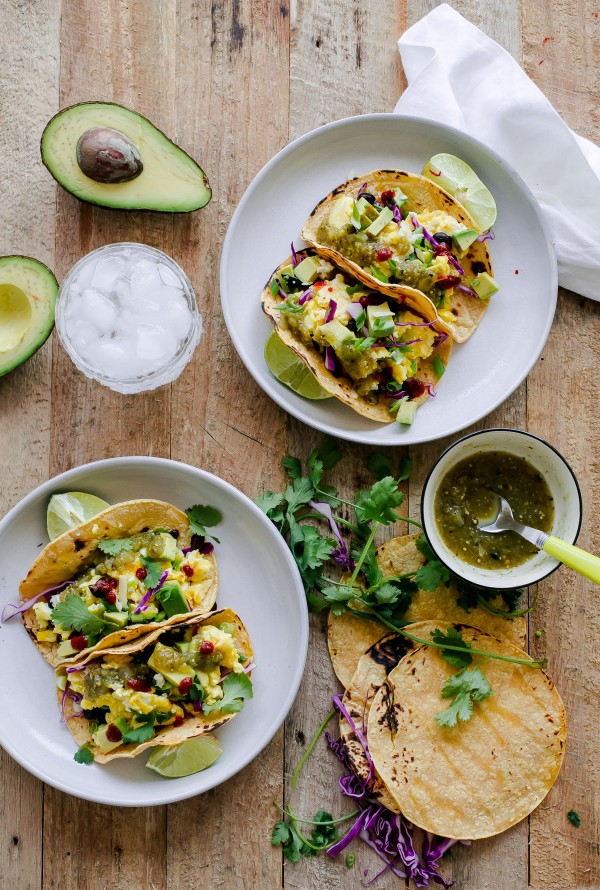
[[486, 236], [341, 554], [339, 704], [439, 339], [397, 214], [431, 390], [467, 290], [330, 311], [75, 697], [354, 310], [197, 706], [305, 297], [428, 237], [294, 255], [393, 395], [329, 358], [337, 746], [143, 603], [415, 324], [18, 610], [455, 263], [362, 189], [414, 221], [74, 670]]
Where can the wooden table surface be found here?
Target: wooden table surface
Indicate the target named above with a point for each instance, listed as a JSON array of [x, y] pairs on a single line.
[[233, 82]]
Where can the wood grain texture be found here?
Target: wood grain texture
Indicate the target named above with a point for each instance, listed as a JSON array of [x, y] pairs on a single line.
[[28, 55], [563, 38]]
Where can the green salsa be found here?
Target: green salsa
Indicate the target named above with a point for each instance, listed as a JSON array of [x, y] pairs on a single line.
[[465, 498]]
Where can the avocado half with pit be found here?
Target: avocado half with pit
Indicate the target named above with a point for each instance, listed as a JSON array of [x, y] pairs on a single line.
[[28, 292], [109, 155]]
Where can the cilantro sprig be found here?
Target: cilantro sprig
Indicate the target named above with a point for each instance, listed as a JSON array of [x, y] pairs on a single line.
[[73, 614], [236, 689], [294, 843], [464, 689], [201, 517]]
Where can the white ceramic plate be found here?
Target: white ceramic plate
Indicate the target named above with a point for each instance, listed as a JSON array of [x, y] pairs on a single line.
[[482, 372], [257, 578]]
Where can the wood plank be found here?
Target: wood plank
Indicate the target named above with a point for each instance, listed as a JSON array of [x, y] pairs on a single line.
[[561, 51], [28, 55], [343, 62], [112, 56], [232, 104]]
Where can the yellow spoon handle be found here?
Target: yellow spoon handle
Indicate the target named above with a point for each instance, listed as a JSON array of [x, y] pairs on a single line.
[[585, 563]]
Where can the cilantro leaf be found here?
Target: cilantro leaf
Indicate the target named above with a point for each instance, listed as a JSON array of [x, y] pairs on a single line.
[[73, 614], [340, 593], [317, 549], [144, 731], [115, 546], [292, 465], [324, 832], [292, 844], [406, 466], [202, 517], [432, 575], [464, 688], [379, 465], [453, 638], [236, 688], [271, 504], [378, 503], [329, 453], [300, 492], [153, 571], [574, 818], [84, 755]]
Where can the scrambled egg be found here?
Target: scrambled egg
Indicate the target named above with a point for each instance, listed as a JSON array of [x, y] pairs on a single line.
[[225, 644], [439, 221], [404, 368], [316, 309]]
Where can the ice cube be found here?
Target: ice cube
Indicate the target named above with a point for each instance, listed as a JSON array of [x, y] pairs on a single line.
[[113, 359], [97, 309], [107, 270], [168, 276], [84, 278], [177, 317], [155, 344]]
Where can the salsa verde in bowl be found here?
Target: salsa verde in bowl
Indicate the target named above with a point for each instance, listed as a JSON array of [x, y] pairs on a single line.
[[533, 477]]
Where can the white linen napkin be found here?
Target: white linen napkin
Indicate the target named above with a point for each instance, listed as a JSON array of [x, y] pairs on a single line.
[[459, 76]]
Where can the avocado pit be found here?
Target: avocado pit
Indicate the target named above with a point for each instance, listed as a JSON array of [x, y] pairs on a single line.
[[108, 156]]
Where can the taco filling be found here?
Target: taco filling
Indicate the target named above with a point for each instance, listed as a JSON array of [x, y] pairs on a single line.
[[147, 577], [377, 343], [127, 698], [397, 245]]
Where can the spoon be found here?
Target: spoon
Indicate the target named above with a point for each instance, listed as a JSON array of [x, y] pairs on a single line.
[[585, 563]]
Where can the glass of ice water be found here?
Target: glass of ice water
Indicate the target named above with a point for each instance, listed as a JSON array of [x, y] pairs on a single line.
[[127, 316]]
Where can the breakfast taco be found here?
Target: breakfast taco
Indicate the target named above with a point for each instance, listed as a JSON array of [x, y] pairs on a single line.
[[477, 777], [132, 568], [402, 231], [175, 683], [378, 351], [350, 636]]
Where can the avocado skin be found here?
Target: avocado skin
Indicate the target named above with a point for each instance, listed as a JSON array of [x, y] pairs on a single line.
[[96, 199], [32, 346]]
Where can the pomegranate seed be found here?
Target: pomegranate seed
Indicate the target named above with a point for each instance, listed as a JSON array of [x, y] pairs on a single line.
[[413, 387], [178, 720], [387, 195], [113, 733], [139, 685], [207, 648], [187, 570], [111, 597], [318, 284], [141, 573], [79, 642], [185, 685], [384, 253], [103, 586], [206, 548]]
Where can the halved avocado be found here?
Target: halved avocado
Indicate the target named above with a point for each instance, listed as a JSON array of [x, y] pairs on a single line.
[[167, 179], [27, 297]]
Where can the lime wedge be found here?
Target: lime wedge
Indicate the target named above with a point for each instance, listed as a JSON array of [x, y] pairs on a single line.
[[67, 510], [284, 364], [454, 175], [191, 756]]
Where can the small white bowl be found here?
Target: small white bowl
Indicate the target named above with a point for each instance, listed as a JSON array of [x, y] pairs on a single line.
[[560, 480]]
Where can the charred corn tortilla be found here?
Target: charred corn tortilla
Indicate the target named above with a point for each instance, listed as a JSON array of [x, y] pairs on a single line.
[[460, 311], [73, 553], [349, 636], [372, 404], [194, 724], [370, 674], [480, 777]]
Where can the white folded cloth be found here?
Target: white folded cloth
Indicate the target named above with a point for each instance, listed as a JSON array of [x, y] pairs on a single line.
[[459, 76]]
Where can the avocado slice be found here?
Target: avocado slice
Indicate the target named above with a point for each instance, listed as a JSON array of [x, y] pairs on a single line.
[[28, 292], [381, 222], [166, 179], [380, 320], [485, 286], [172, 599], [406, 412], [166, 661], [119, 619], [337, 335], [464, 239], [307, 271]]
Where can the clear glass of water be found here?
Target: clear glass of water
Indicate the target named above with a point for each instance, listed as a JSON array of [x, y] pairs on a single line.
[[127, 316]]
